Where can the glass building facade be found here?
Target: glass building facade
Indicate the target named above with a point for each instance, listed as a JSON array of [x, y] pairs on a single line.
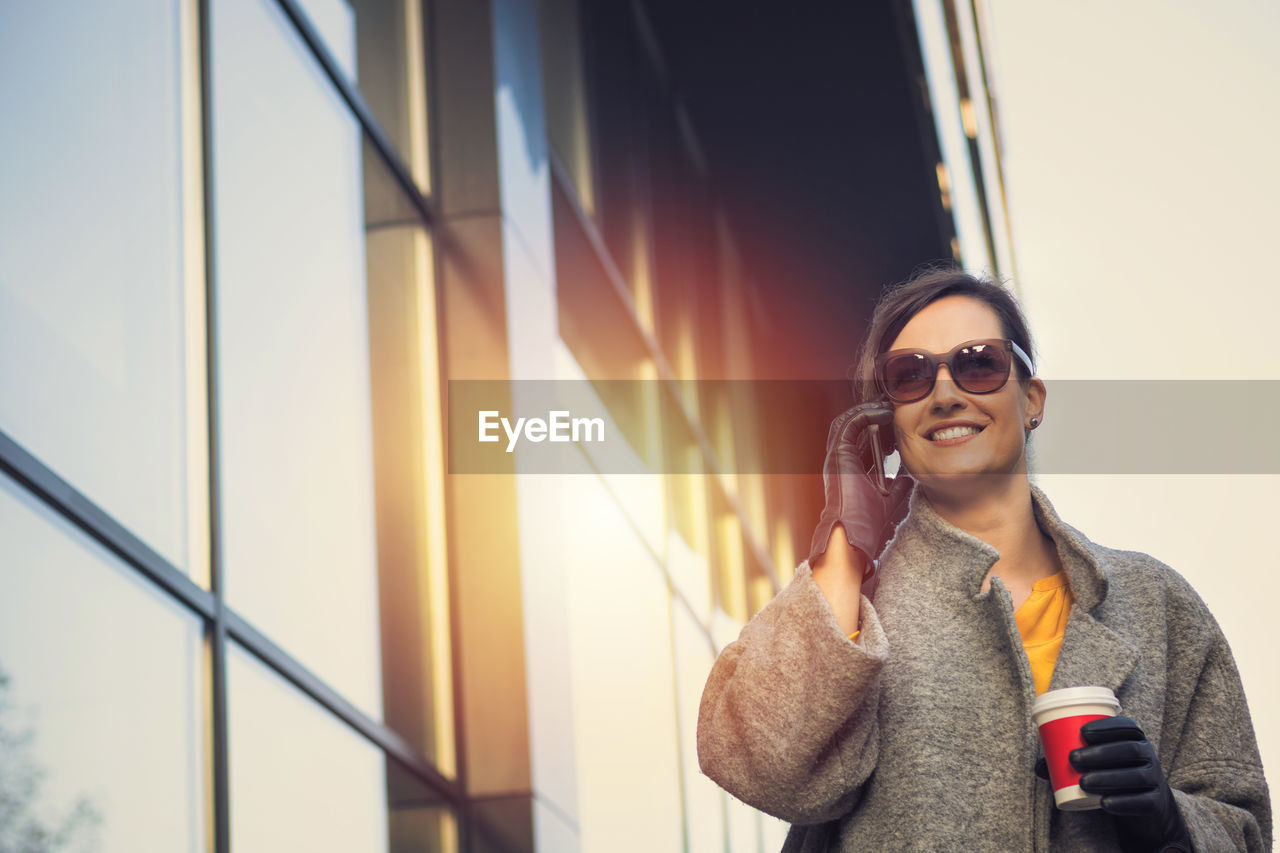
[[244, 606]]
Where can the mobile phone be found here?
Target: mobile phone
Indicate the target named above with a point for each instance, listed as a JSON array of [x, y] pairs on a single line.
[[877, 456], [880, 449]]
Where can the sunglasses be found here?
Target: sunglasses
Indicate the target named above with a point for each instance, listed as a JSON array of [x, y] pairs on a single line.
[[978, 367]]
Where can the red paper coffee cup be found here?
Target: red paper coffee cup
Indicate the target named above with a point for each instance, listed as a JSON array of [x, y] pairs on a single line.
[[1058, 716]]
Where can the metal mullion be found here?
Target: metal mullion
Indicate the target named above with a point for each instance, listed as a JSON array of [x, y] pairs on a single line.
[[462, 810], [355, 101], [964, 91], [221, 746], [391, 743], [673, 601], [463, 805], [218, 632], [39, 479], [466, 835], [997, 166]]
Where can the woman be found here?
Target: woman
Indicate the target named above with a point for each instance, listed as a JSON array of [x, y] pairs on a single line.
[[902, 721]]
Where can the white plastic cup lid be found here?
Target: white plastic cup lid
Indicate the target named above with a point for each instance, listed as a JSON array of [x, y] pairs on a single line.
[[1066, 696]]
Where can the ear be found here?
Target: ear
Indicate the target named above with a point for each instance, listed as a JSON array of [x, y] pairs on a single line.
[[1035, 398]]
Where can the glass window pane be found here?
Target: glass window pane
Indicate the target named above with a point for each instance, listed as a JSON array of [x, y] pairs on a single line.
[[389, 37], [300, 778], [332, 21], [565, 90], [623, 677], [959, 187], [101, 259], [101, 740], [296, 487]]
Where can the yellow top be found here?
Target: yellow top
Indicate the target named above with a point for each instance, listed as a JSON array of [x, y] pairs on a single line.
[[1042, 621]]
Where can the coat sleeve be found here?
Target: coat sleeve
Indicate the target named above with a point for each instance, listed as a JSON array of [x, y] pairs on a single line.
[[787, 721], [1216, 774]]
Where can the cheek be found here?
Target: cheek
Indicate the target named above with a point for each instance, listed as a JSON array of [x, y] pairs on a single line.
[[902, 432], [899, 427]]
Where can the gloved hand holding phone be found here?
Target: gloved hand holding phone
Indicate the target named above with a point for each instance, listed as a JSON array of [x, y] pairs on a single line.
[[851, 478]]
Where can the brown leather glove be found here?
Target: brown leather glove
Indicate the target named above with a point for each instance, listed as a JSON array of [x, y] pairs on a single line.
[[852, 499]]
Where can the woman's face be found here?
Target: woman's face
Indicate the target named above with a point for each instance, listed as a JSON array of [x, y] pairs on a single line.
[[998, 445]]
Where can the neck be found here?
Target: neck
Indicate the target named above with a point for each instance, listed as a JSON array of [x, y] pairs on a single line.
[[1001, 515]]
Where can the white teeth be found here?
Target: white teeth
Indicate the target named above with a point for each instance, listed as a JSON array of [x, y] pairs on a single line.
[[954, 432]]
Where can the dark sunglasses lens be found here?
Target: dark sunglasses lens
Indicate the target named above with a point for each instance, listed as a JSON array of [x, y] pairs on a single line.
[[981, 368], [908, 377]]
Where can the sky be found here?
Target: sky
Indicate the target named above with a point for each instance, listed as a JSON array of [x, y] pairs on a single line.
[[1138, 148]]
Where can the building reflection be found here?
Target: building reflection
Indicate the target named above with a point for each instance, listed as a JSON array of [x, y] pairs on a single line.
[[247, 244], [28, 821]]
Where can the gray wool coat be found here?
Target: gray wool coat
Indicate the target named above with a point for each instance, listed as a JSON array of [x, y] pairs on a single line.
[[919, 736]]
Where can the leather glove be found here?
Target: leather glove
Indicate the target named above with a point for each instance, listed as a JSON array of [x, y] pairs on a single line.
[[1120, 764], [852, 499]]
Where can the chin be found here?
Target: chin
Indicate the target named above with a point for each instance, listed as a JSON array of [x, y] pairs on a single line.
[[958, 480], [951, 470], [951, 480]]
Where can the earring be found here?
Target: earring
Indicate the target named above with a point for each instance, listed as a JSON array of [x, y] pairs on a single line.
[[1035, 422]]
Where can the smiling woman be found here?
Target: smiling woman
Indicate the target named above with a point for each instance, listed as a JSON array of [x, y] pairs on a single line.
[[887, 704], [988, 419]]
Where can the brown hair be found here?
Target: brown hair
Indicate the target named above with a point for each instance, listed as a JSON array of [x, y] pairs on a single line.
[[901, 302]]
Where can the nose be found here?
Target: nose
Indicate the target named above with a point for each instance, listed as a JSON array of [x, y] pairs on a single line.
[[946, 394]]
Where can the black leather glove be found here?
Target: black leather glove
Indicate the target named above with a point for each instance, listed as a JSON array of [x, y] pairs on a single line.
[[852, 499], [1120, 764]]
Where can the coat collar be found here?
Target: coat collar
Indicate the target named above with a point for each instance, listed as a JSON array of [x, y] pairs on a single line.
[[1092, 653], [963, 559], [1079, 556]]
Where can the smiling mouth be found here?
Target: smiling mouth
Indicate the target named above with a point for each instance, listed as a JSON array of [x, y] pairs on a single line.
[[951, 433]]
